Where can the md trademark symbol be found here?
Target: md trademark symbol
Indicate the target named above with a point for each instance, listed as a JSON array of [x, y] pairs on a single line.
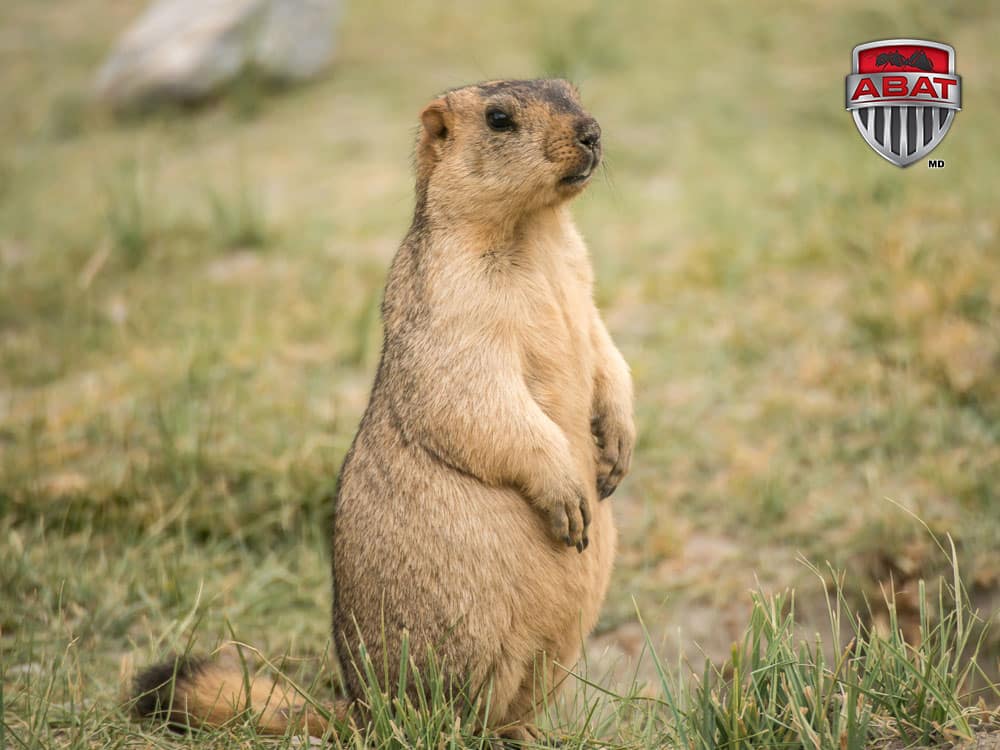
[[935, 163]]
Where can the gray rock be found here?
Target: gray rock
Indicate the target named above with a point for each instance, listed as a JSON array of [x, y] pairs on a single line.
[[183, 50]]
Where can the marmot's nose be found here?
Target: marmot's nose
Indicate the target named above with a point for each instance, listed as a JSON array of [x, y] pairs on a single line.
[[588, 132]]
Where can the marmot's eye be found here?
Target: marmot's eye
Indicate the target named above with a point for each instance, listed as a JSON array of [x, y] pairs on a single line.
[[499, 120]]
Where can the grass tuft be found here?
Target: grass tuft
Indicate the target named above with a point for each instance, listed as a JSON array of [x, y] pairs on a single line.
[[238, 220], [780, 690], [129, 215]]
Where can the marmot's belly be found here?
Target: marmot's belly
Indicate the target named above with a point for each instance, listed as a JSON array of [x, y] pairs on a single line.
[[456, 562]]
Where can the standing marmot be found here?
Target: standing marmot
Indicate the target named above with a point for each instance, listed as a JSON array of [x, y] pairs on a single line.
[[468, 514]]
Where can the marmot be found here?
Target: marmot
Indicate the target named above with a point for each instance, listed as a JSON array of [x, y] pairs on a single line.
[[468, 517]]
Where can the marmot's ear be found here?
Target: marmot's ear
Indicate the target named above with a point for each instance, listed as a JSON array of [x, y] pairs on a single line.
[[436, 119]]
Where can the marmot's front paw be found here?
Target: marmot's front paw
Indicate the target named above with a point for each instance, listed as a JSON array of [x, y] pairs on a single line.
[[569, 517], [615, 439]]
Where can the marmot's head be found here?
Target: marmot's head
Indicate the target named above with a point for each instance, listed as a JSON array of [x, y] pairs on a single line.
[[506, 146]]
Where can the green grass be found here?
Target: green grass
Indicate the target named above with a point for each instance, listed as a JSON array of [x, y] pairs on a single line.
[[129, 215], [861, 688], [189, 328], [239, 220]]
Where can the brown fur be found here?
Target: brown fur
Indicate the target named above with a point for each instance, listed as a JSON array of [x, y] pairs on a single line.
[[201, 693], [468, 515]]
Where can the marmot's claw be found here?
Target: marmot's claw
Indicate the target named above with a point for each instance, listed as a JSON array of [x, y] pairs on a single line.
[[605, 487], [607, 483], [613, 463], [569, 520]]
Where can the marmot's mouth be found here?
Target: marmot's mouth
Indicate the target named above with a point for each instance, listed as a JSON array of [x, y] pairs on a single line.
[[576, 179]]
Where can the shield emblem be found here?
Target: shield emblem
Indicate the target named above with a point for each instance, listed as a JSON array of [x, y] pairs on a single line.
[[903, 95]]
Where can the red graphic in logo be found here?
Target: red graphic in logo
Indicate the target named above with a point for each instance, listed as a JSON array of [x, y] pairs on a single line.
[[903, 94], [902, 57]]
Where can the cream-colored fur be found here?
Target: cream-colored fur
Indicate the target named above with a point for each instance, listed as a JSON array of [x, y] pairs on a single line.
[[469, 511]]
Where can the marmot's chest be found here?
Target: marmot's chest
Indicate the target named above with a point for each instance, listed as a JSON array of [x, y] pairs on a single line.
[[557, 350]]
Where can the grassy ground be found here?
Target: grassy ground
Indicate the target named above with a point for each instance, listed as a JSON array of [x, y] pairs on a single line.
[[189, 327]]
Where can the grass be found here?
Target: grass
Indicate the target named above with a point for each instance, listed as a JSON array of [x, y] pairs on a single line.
[[239, 221], [813, 335], [778, 691], [861, 689], [130, 223]]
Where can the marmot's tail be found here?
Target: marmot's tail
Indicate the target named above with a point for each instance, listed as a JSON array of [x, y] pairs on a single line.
[[209, 694]]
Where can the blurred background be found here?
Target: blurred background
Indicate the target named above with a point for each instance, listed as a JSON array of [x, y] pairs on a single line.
[[189, 318]]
